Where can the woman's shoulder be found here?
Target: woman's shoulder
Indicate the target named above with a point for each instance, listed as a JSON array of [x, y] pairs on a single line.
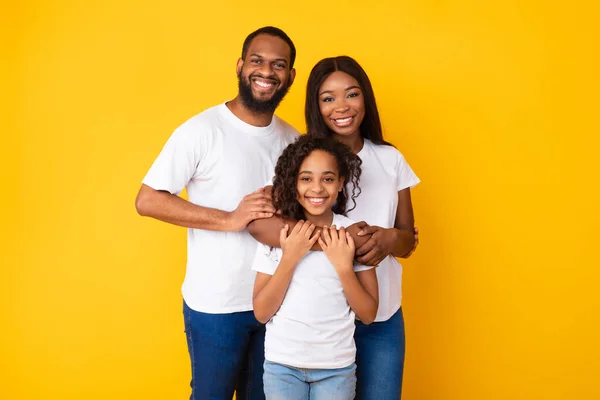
[[384, 150]]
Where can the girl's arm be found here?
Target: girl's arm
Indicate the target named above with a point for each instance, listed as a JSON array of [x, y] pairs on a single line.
[[361, 287], [269, 291], [362, 292]]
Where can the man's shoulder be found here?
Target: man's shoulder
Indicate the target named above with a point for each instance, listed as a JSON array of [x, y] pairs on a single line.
[[286, 130], [197, 126]]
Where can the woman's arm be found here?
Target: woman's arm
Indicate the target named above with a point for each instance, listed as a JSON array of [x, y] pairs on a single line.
[[266, 231], [397, 241]]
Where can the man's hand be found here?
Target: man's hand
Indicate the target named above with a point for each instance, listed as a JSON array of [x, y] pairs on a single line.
[[299, 241], [379, 246], [253, 206]]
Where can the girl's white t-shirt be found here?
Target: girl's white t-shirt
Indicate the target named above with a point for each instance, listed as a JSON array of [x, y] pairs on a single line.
[[384, 173], [314, 327]]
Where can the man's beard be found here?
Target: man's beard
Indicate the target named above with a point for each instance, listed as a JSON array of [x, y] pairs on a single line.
[[256, 105]]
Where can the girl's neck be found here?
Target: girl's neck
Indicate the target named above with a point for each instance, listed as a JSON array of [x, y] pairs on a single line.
[[319, 220], [355, 141]]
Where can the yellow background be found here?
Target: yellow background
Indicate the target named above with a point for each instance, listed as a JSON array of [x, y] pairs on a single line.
[[494, 104]]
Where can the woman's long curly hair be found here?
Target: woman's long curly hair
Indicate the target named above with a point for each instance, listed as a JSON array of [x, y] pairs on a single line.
[[285, 194]]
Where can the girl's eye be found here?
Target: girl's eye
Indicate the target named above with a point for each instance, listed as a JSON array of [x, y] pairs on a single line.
[[305, 179], [353, 94], [328, 179], [327, 99]]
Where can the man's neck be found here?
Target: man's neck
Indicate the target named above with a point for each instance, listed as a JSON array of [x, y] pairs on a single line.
[[237, 107]]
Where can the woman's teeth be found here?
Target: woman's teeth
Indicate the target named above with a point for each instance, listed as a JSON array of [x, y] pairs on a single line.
[[343, 121]]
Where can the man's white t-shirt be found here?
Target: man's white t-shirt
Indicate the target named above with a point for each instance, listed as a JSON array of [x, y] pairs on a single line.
[[314, 327], [219, 159], [384, 173]]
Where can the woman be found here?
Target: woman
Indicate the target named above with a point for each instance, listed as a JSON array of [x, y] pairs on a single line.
[[340, 103]]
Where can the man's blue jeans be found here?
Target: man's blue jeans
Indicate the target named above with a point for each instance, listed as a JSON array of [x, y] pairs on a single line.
[[227, 355], [380, 358]]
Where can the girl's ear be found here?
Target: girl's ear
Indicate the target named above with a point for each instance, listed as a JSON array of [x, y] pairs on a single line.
[[342, 179]]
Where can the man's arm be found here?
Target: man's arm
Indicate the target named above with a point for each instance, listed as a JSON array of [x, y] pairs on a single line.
[[171, 208]]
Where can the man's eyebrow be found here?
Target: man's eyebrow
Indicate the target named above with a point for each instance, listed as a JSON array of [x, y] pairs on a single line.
[[277, 59]]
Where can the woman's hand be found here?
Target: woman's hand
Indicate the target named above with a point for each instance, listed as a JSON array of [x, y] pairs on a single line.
[[378, 247], [299, 241], [339, 248]]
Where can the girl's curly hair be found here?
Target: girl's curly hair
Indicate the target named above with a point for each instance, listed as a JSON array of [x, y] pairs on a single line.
[[285, 194]]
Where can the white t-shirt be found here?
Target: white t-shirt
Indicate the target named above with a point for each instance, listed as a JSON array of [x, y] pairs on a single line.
[[219, 159], [384, 173], [314, 327]]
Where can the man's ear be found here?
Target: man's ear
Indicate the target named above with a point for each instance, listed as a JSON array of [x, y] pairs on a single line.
[[239, 65], [292, 75]]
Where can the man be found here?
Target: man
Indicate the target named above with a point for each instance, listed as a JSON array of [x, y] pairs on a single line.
[[221, 155]]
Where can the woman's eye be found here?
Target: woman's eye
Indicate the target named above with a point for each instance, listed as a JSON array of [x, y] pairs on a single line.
[[327, 99], [353, 94]]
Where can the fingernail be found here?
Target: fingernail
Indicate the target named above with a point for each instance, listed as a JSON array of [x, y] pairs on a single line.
[[360, 233]]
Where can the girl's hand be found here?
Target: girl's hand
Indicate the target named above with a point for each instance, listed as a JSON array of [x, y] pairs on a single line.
[[299, 241], [339, 248]]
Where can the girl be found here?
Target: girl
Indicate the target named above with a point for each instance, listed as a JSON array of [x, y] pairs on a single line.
[[309, 300], [340, 104]]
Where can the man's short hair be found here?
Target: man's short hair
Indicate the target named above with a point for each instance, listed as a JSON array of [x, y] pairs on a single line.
[[272, 31]]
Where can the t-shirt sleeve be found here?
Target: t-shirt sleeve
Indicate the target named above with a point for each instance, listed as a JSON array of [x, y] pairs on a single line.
[[405, 174], [360, 267], [266, 259], [178, 161]]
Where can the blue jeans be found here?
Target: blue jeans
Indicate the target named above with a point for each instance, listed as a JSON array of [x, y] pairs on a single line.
[[227, 354], [380, 359], [283, 382]]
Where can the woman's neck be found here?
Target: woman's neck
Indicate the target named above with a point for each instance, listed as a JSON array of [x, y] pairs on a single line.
[[355, 141], [319, 220]]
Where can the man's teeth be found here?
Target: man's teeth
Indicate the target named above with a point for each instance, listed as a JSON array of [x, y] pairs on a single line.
[[264, 84]]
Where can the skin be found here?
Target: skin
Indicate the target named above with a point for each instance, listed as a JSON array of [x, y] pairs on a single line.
[[267, 62], [340, 99], [342, 107], [318, 178]]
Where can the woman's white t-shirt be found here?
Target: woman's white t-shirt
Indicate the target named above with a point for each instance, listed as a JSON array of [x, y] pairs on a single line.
[[384, 173], [314, 327]]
